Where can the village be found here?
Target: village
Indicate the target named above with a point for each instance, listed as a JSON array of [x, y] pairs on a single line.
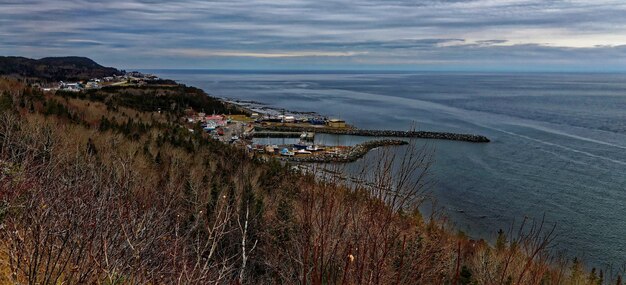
[[266, 122], [133, 78], [240, 130]]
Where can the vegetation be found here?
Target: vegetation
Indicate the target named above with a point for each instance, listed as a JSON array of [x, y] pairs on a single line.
[[100, 187], [174, 99], [55, 68]]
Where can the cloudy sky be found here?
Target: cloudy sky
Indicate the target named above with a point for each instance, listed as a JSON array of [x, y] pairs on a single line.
[[570, 35]]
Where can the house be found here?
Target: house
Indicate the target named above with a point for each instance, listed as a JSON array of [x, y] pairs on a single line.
[[215, 118], [74, 87], [219, 120], [336, 123], [92, 85]]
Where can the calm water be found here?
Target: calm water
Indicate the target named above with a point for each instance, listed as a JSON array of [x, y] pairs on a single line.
[[558, 141]]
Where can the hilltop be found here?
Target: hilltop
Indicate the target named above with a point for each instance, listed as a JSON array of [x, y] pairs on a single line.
[[70, 68], [107, 186]]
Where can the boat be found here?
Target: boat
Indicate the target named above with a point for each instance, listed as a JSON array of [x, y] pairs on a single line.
[[259, 148], [301, 145], [302, 151], [286, 152], [307, 136], [314, 148], [220, 131], [210, 126], [317, 121], [270, 149], [234, 138]]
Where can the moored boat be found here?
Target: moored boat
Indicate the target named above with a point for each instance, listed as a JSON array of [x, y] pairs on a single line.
[[314, 148], [301, 145], [302, 151], [286, 152]]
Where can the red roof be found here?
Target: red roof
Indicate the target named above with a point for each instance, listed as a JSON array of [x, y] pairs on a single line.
[[215, 117]]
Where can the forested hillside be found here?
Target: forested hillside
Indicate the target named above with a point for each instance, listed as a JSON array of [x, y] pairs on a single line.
[[106, 187], [55, 68]]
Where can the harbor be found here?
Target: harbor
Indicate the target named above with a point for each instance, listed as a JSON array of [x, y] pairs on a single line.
[[322, 154], [259, 124], [289, 131]]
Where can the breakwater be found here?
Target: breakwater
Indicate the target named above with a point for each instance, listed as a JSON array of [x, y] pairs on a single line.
[[351, 155], [379, 133], [276, 134]]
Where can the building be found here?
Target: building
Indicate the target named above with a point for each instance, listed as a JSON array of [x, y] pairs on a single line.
[[92, 85], [75, 87], [219, 120], [336, 123]]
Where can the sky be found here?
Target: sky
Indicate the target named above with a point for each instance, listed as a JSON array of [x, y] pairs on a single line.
[[463, 35]]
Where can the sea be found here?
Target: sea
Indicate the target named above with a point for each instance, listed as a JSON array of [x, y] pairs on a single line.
[[557, 150]]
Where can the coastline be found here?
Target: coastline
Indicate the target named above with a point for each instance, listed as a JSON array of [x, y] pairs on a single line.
[[250, 107]]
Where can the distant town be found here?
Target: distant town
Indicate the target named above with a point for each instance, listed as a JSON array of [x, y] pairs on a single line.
[[133, 78], [265, 122]]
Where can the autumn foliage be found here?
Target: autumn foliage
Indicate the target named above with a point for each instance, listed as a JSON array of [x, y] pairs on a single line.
[[97, 192]]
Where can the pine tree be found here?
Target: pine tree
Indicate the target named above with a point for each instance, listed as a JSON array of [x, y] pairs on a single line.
[[158, 160], [91, 147], [6, 101], [601, 278], [593, 277], [501, 240], [576, 275]]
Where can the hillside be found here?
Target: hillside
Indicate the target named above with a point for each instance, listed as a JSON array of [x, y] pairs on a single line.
[[100, 187], [55, 68]]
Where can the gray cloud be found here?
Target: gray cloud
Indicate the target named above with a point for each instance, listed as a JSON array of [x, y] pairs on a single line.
[[267, 33]]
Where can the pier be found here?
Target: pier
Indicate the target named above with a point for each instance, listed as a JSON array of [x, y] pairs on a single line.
[[351, 155], [280, 134], [375, 133]]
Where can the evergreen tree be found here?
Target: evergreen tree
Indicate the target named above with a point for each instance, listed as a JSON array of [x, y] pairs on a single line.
[[593, 277], [576, 275], [6, 101], [465, 276], [91, 147], [158, 160], [501, 240]]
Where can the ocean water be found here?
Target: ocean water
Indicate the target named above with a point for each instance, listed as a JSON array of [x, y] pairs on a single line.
[[558, 141]]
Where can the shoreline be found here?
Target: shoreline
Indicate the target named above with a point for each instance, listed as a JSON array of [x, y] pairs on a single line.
[[250, 107], [380, 133], [353, 154]]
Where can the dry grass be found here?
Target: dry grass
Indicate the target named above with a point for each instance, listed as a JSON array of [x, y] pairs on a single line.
[[143, 212]]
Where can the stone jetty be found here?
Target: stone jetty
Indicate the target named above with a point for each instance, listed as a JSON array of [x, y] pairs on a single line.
[[351, 155], [276, 134], [379, 133]]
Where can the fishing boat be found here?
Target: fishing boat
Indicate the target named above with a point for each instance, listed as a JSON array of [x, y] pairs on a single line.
[[307, 136], [302, 151], [301, 145], [210, 126], [317, 121], [314, 148], [286, 152], [270, 149]]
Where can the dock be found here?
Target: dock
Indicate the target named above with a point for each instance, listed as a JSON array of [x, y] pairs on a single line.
[[351, 155], [376, 133], [281, 134]]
